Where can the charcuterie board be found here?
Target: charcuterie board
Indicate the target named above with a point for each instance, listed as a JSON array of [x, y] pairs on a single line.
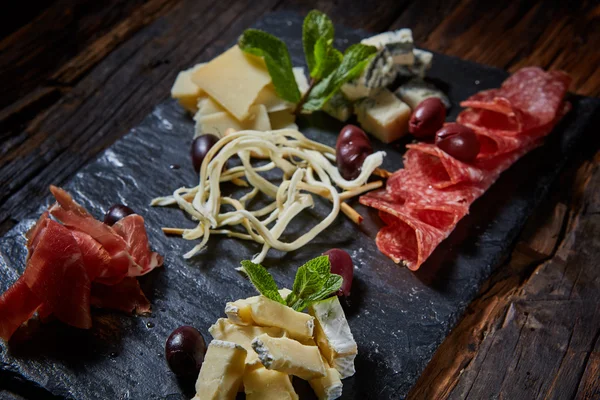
[[398, 317]]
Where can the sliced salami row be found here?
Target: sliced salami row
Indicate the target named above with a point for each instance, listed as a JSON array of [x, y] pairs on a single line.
[[423, 202]]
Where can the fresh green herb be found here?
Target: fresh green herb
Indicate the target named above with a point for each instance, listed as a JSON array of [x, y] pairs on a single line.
[[314, 282], [317, 40], [355, 60], [262, 280], [277, 58], [327, 59]]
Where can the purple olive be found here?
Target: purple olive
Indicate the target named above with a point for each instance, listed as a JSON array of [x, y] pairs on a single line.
[[116, 213], [341, 264], [200, 148], [351, 149], [459, 141], [427, 118], [184, 351]]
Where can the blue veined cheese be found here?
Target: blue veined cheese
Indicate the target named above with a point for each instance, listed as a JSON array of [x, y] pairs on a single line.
[[423, 61], [339, 107], [416, 90], [399, 43], [384, 116], [380, 73]]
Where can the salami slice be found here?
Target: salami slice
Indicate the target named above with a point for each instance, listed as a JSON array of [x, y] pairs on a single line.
[[423, 202]]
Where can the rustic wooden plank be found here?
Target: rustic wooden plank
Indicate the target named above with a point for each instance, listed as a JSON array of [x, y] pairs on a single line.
[[132, 80]]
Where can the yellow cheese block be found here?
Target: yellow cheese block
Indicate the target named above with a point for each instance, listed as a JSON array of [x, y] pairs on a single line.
[[217, 123], [226, 330], [383, 115], [328, 387], [234, 80], [186, 91], [222, 370], [262, 311], [263, 384], [289, 356], [206, 106]]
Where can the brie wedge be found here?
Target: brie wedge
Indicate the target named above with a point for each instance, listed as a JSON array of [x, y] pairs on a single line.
[[333, 336], [289, 356], [222, 370], [262, 311]]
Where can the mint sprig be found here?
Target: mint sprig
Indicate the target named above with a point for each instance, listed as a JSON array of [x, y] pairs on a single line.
[[277, 58], [314, 282], [262, 280], [317, 41]]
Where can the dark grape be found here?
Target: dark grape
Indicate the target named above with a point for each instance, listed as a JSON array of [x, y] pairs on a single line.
[[184, 351]]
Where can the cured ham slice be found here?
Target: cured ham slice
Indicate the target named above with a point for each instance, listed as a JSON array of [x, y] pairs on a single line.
[[76, 264], [132, 230], [423, 202]]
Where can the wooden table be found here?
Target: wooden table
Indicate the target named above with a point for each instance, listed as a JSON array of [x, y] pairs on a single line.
[[77, 75]]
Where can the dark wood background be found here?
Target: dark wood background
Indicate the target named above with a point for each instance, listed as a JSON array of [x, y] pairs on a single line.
[[77, 75]]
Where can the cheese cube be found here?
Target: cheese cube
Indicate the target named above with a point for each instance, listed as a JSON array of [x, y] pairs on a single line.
[[262, 311], [423, 61], [217, 123], [379, 73], [226, 330], [289, 356], [416, 90], [221, 372], [384, 116], [186, 91], [333, 335], [339, 107], [328, 387], [234, 80], [399, 43], [264, 384]]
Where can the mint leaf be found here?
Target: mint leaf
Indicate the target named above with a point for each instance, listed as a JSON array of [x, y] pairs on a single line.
[[310, 279], [277, 58], [317, 26], [262, 280], [356, 58], [331, 285], [327, 59]]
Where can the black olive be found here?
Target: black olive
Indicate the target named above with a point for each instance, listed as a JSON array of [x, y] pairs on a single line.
[[117, 212], [351, 149], [184, 351], [200, 148]]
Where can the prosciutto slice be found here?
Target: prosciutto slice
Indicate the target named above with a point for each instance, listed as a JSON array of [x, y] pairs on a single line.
[[423, 202]]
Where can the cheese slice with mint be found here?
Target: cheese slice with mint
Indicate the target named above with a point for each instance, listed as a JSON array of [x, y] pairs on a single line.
[[333, 335], [289, 356], [222, 370], [262, 311]]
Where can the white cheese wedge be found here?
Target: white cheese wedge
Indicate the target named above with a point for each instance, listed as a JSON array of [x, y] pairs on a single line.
[[399, 43], [222, 370], [383, 115], [217, 123], [227, 331], [339, 107], [262, 311], [379, 73], [186, 91], [423, 61], [289, 356], [264, 384], [234, 80], [283, 120], [333, 335], [416, 90], [328, 387]]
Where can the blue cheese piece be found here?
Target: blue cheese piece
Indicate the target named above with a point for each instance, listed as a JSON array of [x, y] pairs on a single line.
[[380, 73], [399, 43], [333, 335], [222, 370], [339, 107], [416, 90], [289, 356], [423, 61], [384, 116]]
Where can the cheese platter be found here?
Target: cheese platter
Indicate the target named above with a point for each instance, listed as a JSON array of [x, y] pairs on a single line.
[[397, 314]]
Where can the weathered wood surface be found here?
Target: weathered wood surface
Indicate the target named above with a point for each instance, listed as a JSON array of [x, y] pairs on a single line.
[[80, 74]]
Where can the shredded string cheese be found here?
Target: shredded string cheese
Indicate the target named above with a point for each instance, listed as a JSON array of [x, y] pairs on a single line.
[[307, 170]]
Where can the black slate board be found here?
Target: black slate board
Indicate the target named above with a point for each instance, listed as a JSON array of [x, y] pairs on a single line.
[[398, 317]]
